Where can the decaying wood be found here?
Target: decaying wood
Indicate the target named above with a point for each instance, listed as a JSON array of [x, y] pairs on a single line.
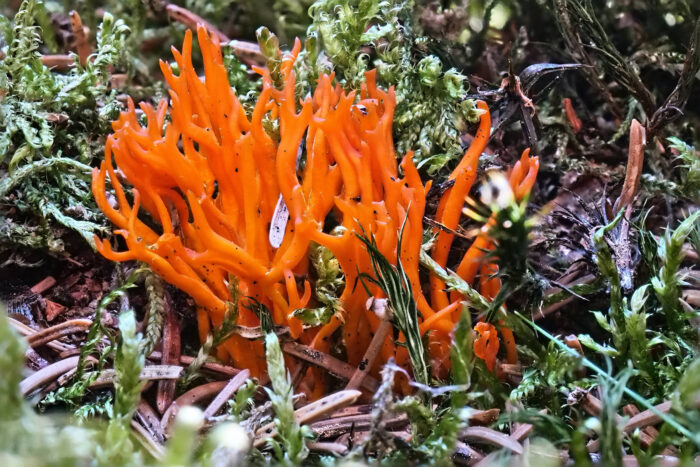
[[660, 461], [631, 410], [587, 279], [484, 417], [593, 406], [337, 449], [248, 52], [466, 455]]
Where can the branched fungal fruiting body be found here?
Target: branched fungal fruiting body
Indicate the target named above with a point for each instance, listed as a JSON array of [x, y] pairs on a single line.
[[212, 178]]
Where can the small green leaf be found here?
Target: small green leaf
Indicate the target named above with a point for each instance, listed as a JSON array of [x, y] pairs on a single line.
[[602, 320], [589, 342], [314, 316]]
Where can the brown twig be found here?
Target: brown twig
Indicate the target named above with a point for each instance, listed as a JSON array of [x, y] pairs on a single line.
[[43, 285], [466, 455], [47, 374], [334, 427], [27, 331], [673, 107], [481, 434], [148, 373], [191, 397], [371, 354], [646, 418], [587, 279], [58, 62], [225, 394], [192, 20], [631, 410], [593, 406], [153, 447], [660, 461], [336, 449], [58, 331], [311, 412], [334, 366], [484, 417], [150, 420], [170, 356], [214, 367]]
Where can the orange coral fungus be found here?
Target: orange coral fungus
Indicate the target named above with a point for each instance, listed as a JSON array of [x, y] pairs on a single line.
[[521, 179], [213, 178], [486, 344]]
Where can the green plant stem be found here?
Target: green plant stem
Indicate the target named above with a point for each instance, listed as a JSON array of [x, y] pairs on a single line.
[[600, 372]]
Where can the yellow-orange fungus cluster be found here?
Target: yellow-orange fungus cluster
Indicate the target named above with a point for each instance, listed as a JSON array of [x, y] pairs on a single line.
[[212, 177]]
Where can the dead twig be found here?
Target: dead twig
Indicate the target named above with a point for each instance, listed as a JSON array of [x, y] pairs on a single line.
[[646, 418], [191, 397], [587, 279], [192, 20], [58, 331], [47, 374], [58, 62], [334, 366], [336, 449], [673, 107], [334, 427], [27, 331], [371, 354], [481, 434], [311, 412], [466, 455], [153, 447], [593, 406], [170, 356], [43, 285], [213, 367], [148, 373], [225, 394], [150, 420]]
